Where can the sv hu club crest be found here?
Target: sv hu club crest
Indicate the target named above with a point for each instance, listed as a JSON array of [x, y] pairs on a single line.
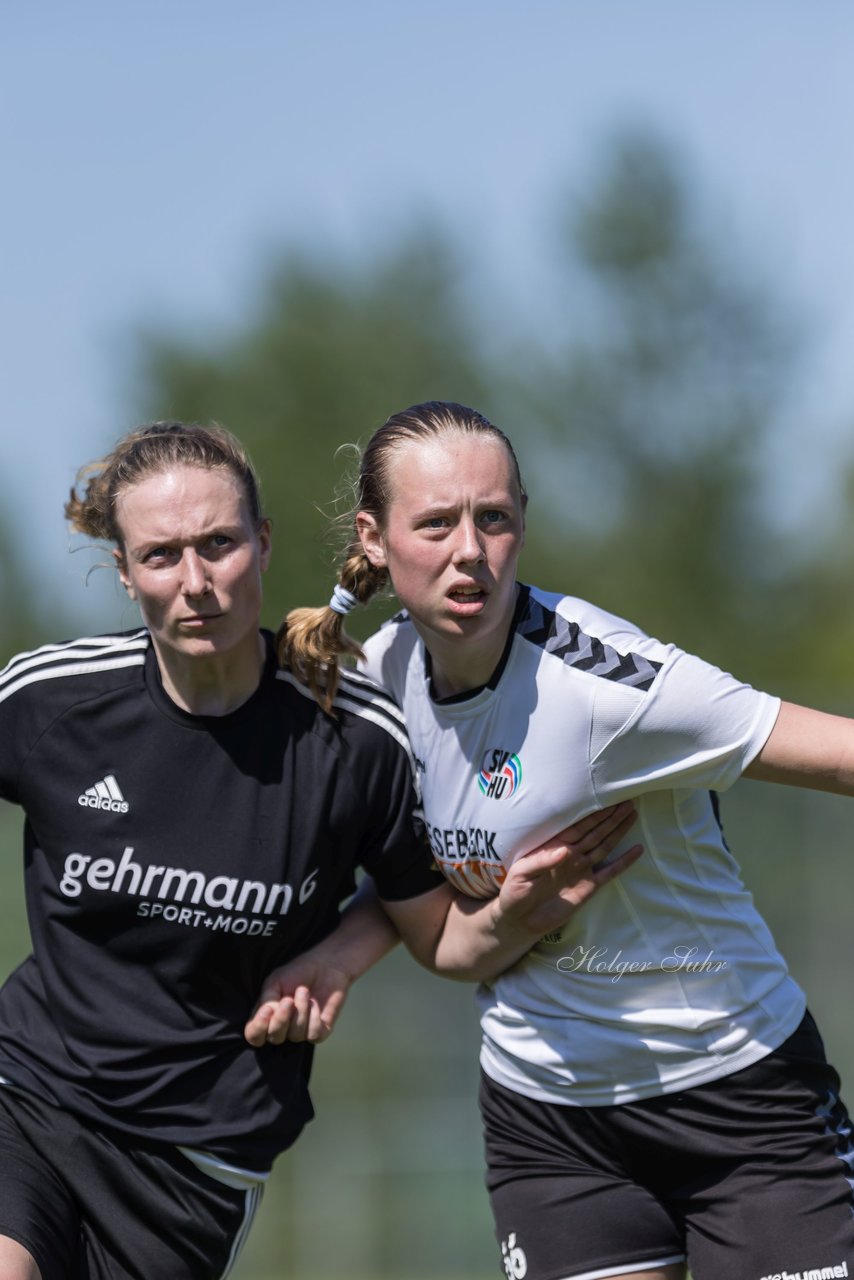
[[500, 774]]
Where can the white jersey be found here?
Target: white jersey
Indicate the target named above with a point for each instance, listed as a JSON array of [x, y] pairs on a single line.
[[668, 977]]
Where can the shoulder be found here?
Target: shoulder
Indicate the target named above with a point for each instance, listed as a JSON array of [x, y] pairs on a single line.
[[389, 651], [590, 640], [74, 669], [364, 715], [397, 632]]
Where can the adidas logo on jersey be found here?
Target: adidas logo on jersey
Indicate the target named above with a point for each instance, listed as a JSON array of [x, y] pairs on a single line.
[[104, 795]]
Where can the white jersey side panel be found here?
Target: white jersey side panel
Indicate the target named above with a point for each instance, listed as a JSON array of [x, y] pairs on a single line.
[[669, 976]]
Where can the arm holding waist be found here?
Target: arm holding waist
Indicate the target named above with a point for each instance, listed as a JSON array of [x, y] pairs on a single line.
[[450, 934]]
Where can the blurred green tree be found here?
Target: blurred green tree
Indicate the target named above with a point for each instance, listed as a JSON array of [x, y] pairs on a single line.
[[329, 353], [22, 622], [658, 421], [643, 430]]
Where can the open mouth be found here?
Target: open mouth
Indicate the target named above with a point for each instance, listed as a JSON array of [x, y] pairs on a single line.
[[467, 595]]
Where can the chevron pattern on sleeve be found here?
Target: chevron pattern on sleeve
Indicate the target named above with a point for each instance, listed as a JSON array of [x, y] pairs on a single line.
[[574, 647]]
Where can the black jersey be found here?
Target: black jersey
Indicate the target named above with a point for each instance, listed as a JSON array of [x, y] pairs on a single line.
[[173, 860]]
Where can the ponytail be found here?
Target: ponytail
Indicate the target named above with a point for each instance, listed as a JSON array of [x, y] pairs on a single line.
[[312, 642]]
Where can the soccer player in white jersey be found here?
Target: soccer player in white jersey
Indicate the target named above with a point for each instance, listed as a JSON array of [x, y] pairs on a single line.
[[655, 1094], [194, 818]]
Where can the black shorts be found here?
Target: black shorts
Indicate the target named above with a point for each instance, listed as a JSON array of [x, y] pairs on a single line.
[[749, 1178], [90, 1204]]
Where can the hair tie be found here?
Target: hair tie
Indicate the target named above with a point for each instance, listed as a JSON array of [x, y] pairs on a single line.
[[342, 600]]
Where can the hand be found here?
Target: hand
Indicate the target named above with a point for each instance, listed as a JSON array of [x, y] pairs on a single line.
[[299, 1001], [544, 888]]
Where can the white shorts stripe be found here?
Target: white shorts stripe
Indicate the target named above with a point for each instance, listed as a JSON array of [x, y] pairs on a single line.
[[625, 1269], [252, 1204]]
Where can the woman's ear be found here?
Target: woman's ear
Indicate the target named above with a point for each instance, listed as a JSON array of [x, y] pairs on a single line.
[[121, 566], [264, 534], [372, 540]]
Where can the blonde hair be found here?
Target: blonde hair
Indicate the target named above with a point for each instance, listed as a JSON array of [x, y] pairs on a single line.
[[150, 450], [313, 641]]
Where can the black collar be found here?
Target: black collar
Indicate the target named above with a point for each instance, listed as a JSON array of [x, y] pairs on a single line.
[[522, 595]]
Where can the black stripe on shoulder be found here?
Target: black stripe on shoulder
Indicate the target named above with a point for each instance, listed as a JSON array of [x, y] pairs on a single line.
[[566, 640], [361, 697], [73, 658], [402, 615]]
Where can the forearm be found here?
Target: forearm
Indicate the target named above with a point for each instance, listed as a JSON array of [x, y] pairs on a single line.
[[808, 748], [474, 940], [364, 935], [468, 939], [480, 940]]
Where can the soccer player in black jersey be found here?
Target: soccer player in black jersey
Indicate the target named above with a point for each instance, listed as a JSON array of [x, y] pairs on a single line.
[[654, 1092], [193, 819]]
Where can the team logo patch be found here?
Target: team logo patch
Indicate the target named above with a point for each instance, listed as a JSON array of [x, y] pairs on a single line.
[[500, 774]]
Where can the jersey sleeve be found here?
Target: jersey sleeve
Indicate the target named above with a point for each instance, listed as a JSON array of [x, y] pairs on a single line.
[[395, 850], [17, 726], [412, 871], [695, 726], [397, 854], [34, 692]]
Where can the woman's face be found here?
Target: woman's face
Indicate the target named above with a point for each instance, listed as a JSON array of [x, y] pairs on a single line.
[[192, 558], [451, 538]]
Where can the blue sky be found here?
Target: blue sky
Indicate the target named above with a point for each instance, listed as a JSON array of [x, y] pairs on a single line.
[[153, 152]]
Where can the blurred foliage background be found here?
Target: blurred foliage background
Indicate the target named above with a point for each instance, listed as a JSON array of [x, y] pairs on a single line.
[[645, 405]]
